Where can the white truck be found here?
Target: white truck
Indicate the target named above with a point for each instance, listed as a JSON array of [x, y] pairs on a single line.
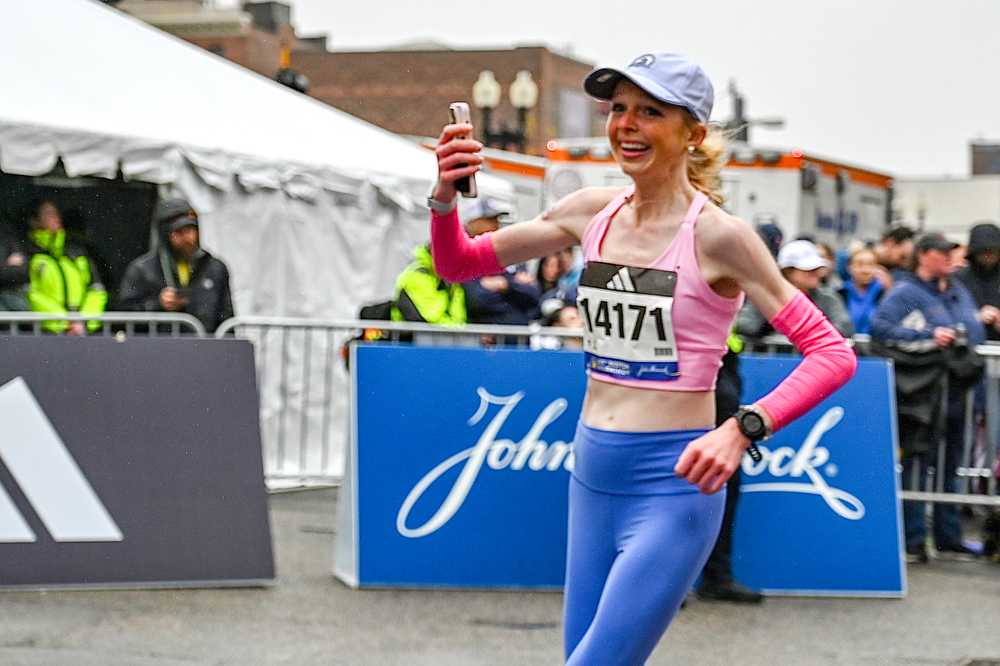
[[802, 193]]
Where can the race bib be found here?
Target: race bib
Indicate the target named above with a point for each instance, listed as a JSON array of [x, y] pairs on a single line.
[[629, 333]]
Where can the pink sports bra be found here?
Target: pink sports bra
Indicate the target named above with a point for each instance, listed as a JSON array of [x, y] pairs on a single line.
[[657, 327]]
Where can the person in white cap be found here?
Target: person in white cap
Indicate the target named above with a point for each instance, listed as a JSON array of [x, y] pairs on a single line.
[[802, 265], [511, 297], [658, 299]]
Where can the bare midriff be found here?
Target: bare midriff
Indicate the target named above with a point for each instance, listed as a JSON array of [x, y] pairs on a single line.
[[615, 407]]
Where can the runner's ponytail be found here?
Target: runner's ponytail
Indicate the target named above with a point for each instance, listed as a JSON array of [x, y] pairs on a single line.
[[705, 163]]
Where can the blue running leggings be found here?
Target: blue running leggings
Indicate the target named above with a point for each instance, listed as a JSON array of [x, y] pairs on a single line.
[[632, 558]]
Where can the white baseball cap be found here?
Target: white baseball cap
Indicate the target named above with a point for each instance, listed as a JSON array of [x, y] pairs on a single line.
[[483, 207], [668, 77], [801, 254]]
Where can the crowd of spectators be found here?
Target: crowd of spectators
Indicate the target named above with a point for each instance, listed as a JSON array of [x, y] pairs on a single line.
[[46, 272], [922, 300], [521, 295], [925, 302]]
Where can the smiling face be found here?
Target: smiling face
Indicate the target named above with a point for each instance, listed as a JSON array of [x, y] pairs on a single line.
[[647, 135]]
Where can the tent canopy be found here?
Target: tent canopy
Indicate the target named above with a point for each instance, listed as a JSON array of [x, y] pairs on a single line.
[[101, 89]]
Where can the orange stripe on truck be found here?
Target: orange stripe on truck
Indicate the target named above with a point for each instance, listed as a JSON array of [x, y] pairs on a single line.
[[519, 169], [786, 161]]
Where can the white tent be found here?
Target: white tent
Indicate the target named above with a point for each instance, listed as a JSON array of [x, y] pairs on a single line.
[[313, 210]]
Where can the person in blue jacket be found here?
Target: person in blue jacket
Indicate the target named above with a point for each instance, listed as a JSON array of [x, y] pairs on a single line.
[[512, 297], [861, 291], [931, 311]]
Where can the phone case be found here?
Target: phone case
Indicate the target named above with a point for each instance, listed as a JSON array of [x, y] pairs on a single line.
[[460, 114]]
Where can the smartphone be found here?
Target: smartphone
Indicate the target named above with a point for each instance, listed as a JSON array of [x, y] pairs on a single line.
[[460, 114]]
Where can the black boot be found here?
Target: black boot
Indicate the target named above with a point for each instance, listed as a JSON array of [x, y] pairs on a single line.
[[729, 591]]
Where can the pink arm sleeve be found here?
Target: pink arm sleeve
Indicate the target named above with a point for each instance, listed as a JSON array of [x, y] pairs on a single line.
[[457, 257], [828, 362]]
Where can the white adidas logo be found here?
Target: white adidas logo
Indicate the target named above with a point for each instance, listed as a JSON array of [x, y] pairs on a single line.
[[622, 281], [48, 476]]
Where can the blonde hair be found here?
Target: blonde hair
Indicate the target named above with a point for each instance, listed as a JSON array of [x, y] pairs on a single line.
[[861, 250], [705, 162]]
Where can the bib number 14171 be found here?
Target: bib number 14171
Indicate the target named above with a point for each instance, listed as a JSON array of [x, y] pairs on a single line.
[[612, 319]]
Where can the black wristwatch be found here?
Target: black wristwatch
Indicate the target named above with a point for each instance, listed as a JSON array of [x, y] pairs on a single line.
[[754, 427]]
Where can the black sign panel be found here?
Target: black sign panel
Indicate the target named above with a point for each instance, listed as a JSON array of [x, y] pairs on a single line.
[[130, 463]]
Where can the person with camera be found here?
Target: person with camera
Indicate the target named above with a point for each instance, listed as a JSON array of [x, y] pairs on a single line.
[[665, 272], [178, 275], [929, 325]]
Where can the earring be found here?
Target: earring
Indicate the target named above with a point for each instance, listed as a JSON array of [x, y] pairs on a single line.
[[690, 149]]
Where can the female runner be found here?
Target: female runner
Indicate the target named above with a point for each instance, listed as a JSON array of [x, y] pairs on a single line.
[[666, 271]]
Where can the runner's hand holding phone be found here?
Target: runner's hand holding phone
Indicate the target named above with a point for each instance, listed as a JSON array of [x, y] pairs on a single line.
[[460, 115]]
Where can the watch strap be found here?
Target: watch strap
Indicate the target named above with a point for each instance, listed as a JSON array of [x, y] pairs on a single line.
[[440, 207]]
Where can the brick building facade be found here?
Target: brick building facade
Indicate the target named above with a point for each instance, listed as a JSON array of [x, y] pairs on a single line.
[[408, 91], [252, 36]]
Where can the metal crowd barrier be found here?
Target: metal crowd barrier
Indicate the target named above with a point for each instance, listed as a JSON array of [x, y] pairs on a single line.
[[302, 378], [303, 383], [130, 323], [978, 463]]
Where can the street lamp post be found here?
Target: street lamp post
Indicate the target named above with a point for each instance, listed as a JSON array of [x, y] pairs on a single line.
[[524, 96], [486, 93], [739, 124]]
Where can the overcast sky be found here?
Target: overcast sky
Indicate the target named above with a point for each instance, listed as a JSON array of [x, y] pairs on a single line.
[[896, 85]]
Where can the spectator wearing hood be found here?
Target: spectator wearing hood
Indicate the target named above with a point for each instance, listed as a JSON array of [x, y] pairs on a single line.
[[982, 275], [61, 278], [178, 275]]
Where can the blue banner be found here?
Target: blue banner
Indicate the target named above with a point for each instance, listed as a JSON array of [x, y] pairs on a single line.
[[460, 467], [462, 461], [819, 514]]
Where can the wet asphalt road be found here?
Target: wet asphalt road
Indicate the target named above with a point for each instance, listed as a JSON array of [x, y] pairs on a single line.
[[951, 614]]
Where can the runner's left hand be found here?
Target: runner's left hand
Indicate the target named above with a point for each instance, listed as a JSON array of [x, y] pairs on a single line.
[[711, 459]]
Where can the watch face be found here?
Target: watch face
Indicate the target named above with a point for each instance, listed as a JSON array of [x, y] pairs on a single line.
[[753, 424]]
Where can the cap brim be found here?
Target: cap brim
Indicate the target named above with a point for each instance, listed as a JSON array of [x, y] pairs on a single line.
[[941, 247], [809, 265], [601, 84]]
